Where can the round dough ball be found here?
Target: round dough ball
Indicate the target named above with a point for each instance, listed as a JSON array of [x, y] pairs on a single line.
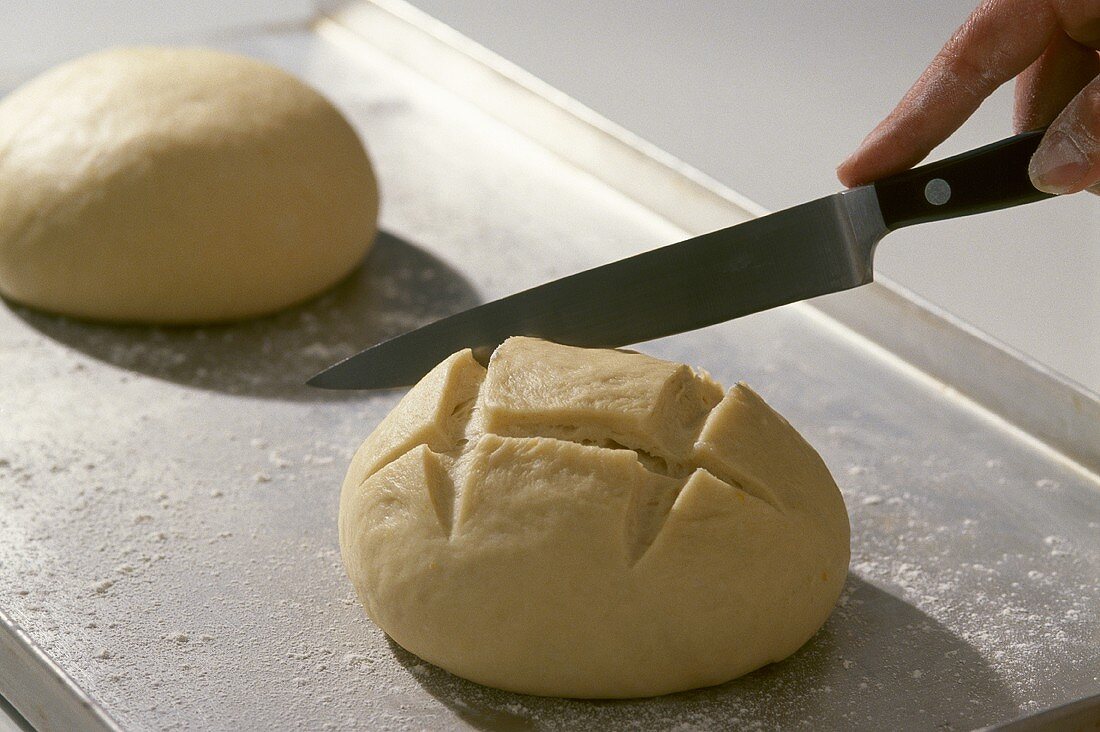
[[176, 186], [591, 523]]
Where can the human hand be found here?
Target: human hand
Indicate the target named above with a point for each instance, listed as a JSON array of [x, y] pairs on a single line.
[[1050, 46]]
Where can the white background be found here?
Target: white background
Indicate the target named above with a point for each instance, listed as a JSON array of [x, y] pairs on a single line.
[[768, 96]]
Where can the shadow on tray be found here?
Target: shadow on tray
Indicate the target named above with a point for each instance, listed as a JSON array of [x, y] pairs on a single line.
[[399, 287], [879, 663]]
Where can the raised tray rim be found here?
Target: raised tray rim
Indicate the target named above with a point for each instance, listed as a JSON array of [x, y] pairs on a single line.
[[1041, 404], [1044, 405]]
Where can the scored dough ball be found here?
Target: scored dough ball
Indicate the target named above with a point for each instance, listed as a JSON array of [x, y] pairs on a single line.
[[177, 186], [591, 523]]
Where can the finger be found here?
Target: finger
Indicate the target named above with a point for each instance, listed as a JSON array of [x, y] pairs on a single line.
[[1047, 86], [998, 41], [1081, 20], [1068, 158]]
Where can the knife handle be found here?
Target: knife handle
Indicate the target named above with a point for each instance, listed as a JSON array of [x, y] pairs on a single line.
[[986, 179]]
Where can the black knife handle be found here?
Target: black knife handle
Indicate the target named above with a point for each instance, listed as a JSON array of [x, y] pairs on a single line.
[[985, 179]]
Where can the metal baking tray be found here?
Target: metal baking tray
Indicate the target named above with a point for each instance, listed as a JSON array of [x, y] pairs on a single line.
[[168, 497]]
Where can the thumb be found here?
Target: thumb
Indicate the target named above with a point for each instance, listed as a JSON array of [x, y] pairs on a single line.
[[1068, 158]]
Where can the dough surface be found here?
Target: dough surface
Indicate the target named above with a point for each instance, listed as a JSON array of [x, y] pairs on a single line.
[[591, 523], [177, 186]]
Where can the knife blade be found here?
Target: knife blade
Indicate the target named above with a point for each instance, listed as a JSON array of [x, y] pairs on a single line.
[[812, 249]]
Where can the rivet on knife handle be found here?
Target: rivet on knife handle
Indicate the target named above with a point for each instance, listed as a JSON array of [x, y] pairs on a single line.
[[985, 179]]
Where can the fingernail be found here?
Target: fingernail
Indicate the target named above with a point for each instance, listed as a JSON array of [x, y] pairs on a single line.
[[1058, 165], [842, 170]]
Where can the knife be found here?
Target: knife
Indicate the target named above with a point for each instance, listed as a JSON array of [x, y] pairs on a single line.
[[809, 250]]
